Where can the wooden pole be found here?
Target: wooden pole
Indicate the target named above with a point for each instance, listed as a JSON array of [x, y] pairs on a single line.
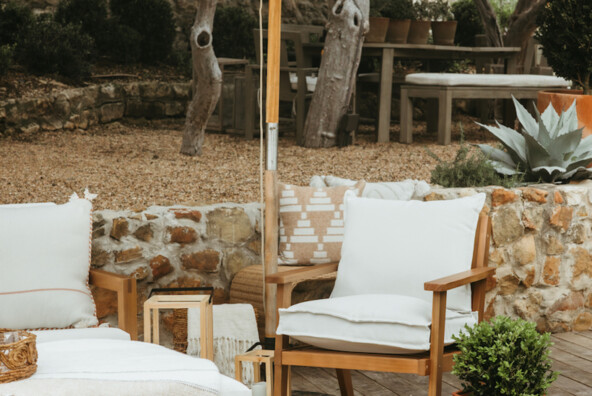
[[271, 211]]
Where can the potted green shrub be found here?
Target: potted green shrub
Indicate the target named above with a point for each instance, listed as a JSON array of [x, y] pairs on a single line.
[[443, 23], [378, 24], [419, 30], [565, 31], [503, 357], [400, 14]]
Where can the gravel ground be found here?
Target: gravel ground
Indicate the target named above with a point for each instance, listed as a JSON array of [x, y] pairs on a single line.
[[133, 165]]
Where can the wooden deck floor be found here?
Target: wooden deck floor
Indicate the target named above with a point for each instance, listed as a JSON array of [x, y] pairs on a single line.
[[572, 357]]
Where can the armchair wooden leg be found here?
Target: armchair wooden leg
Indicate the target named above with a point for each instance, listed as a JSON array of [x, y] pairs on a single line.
[[437, 343], [345, 382], [281, 383]]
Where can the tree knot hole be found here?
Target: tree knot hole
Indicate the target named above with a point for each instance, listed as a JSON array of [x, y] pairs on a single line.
[[203, 39], [338, 7]]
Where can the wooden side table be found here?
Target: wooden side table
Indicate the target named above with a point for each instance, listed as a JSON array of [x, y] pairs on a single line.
[[256, 357], [154, 303]]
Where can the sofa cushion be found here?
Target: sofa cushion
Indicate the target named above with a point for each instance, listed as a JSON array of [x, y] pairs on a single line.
[[311, 223], [399, 190], [394, 247], [486, 80], [44, 262], [372, 323]]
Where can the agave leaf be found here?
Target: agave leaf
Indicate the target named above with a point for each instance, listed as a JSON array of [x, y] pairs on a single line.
[[570, 117], [528, 123], [550, 118], [578, 173], [543, 137], [511, 139], [565, 145], [537, 155], [497, 155], [548, 173], [584, 161], [584, 147]]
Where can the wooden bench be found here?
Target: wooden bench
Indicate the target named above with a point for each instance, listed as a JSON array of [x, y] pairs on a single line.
[[447, 86]]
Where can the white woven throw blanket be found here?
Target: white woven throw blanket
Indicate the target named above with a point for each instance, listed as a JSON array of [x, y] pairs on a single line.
[[235, 331]]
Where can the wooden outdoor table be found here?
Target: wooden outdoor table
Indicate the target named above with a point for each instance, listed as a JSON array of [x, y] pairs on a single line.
[[388, 52]]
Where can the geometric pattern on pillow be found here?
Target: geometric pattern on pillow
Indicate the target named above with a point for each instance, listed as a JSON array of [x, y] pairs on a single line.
[[311, 223], [44, 266]]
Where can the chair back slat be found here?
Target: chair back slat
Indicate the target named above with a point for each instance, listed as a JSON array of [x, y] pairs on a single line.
[[480, 259]]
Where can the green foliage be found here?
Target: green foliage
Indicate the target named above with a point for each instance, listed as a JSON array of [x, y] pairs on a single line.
[[504, 357], [468, 22], [122, 43], [549, 149], [6, 56], [394, 9], [181, 59], [233, 33], [153, 20], [468, 170], [565, 31], [422, 10], [90, 15], [439, 10], [503, 11], [14, 19], [48, 47]]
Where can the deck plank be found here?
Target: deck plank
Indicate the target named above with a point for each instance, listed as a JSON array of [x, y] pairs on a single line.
[[571, 354]]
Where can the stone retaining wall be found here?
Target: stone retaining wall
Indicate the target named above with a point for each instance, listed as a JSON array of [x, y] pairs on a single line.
[[175, 247], [541, 246], [79, 108]]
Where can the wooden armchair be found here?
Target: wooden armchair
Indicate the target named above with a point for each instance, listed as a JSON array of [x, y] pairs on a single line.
[[125, 287], [433, 362]]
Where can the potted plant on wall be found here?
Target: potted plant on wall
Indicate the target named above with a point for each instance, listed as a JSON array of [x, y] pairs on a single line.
[[419, 30], [503, 357], [565, 31], [443, 23], [400, 14], [378, 24]]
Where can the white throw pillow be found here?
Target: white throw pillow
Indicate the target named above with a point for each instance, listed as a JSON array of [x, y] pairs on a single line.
[[371, 323], [394, 247], [44, 266], [401, 190]]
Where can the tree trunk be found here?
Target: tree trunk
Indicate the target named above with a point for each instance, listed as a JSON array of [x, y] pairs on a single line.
[[346, 27], [523, 22], [207, 79], [492, 29]]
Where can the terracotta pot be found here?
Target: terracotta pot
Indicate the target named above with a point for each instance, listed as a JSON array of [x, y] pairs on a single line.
[[562, 99], [443, 32], [418, 32], [378, 28], [398, 31]]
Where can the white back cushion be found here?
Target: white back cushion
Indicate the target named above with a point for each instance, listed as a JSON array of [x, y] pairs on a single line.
[[44, 266], [393, 247]]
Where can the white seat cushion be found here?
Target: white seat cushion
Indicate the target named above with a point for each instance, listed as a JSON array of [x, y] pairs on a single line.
[[500, 80], [394, 247], [44, 266], [104, 333], [400, 190], [372, 323]]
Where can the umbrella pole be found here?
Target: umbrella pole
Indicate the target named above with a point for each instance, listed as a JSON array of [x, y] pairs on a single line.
[[270, 178]]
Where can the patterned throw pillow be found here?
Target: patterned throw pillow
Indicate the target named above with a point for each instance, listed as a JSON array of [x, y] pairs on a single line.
[[311, 223]]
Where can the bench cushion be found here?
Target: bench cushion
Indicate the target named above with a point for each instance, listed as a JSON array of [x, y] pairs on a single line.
[[498, 80], [371, 323]]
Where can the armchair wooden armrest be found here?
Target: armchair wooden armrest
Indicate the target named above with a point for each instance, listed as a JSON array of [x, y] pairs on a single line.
[[456, 280], [125, 287], [301, 274]]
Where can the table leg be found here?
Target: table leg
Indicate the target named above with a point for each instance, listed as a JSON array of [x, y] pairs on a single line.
[[147, 330], [210, 330], [203, 332], [269, 377], [386, 91], [444, 116], [406, 135], [238, 370], [155, 329], [256, 372]]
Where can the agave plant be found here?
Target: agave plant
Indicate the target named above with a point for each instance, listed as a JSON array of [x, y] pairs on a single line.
[[550, 149]]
